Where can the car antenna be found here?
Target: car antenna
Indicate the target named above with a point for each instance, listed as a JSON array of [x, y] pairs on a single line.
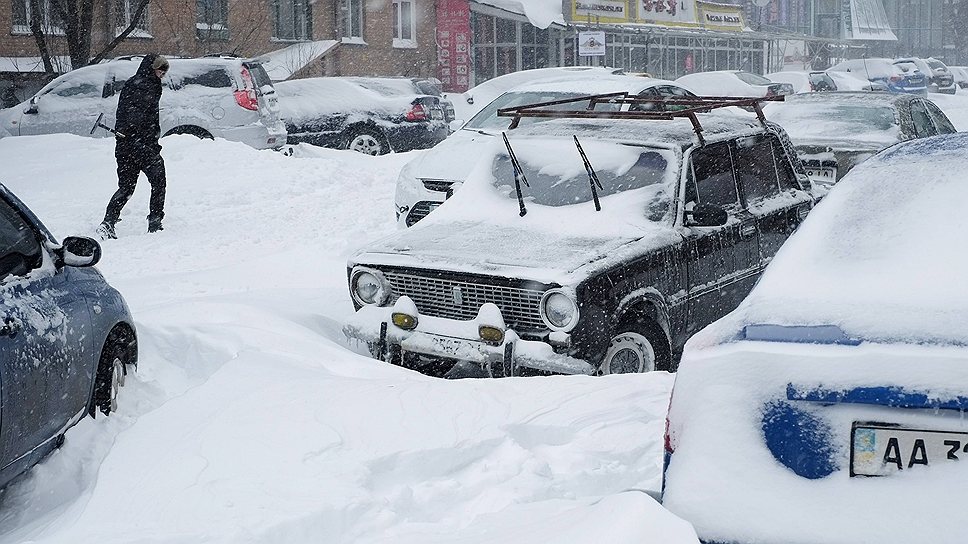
[[518, 175], [866, 69], [592, 176]]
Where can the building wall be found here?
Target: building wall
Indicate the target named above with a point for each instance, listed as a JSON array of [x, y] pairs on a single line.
[[378, 56]]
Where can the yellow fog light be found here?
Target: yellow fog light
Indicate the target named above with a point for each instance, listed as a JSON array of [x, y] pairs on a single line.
[[491, 335], [404, 321]]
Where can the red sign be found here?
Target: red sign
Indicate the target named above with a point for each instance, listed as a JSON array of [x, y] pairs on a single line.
[[454, 44]]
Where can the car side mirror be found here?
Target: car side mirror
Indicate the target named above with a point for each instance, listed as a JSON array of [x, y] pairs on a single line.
[[32, 108], [79, 251], [706, 215], [456, 124]]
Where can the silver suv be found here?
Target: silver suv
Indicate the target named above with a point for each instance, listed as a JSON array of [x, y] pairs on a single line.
[[223, 97]]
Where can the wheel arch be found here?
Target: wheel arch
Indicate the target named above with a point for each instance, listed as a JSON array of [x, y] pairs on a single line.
[[188, 128], [648, 306], [365, 126]]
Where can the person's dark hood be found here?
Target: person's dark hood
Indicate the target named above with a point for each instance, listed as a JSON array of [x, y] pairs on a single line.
[[145, 68]]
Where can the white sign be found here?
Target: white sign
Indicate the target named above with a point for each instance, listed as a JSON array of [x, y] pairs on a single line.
[[591, 44]]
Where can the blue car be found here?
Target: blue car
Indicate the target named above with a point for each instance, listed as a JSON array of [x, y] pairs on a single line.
[[885, 72], [832, 405], [66, 337]]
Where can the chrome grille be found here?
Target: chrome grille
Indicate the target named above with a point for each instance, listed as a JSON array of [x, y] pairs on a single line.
[[456, 299]]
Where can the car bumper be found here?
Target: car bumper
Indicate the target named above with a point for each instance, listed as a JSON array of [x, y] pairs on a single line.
[[258, 136], [458, 340], [407, 137]]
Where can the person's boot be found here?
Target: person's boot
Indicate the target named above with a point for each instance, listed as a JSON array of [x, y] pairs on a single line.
[[154, 225], [106, 230]]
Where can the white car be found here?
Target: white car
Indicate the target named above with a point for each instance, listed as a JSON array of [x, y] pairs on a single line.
[[212, 97], [804, 82], [847, 81], [829, 407], [733, 83], [428, 180]]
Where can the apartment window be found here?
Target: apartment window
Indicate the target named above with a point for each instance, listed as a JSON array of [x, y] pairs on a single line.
[[126, 10], [292, 19], [404, 24], [353, 18], [22, 16], [212, 20]]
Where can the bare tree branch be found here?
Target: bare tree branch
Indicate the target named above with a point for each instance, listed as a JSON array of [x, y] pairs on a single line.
[[132, 24]]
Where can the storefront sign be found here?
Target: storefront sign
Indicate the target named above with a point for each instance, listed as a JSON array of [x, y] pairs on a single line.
[[591, 44], [454, 44], [722, 17], [668, 12], [600, 11]]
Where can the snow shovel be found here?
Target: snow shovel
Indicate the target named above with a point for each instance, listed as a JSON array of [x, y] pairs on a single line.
[[98, 123]]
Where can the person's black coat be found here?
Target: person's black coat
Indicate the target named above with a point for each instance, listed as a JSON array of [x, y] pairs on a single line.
[[137, 117]]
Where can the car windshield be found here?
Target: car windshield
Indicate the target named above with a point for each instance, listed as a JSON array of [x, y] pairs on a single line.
[[752, 79], [936, 64], [813, 119], [487, 118], [556, 174]]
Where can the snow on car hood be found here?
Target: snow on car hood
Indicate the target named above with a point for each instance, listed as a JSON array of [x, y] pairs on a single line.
[[840, 122]]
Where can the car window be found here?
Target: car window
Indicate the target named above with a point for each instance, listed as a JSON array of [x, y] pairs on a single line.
[[786, 177], [941, 121], [756, 168], [712, 172], [87, 85], [651, 92], [487, 117], [20, 250], [752, 79], [216, 78], [922, 122], [822, 82]]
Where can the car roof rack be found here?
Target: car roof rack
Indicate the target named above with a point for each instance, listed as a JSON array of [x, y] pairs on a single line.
[[690, 107]]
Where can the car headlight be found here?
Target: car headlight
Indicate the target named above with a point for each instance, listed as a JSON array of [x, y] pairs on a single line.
[[368, 287], [558, 310]]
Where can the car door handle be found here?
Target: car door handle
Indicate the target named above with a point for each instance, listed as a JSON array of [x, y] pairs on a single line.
[[748, 230], [10, 327]]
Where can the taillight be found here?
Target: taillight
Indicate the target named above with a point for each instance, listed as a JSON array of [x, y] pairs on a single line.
[[416, 113], [246, 96]]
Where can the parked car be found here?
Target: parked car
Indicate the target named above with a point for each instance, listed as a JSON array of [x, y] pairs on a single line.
[[834, 132], [66, 340], [434, 87], [429, 179], [544, 262], [961, 76], [368, 115], [804, 82], [851, 81], [885, 72], [220, 97], [829, 408], [733, 83], [940, 79]]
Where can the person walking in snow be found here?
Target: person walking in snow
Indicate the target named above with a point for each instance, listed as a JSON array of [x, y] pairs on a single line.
[[137, 150]]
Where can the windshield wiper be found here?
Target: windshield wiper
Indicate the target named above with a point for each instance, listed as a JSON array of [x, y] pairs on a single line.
[[518, 175], [592, 176]]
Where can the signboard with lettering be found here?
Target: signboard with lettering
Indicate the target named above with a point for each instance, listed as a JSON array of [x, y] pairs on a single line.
[[454, 44], [721, 17], [591, 43], [668, 12], [599, 11]]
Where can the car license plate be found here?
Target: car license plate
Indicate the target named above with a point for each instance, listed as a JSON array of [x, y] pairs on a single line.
[[882, 450], [826, 174]]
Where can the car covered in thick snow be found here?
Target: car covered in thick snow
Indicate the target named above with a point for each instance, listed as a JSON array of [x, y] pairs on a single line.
[[66, 337], [220, 97], [425, 182], [829, 407], [583, 245], [833, 132], [733, 83], [885, 72], [365, 114]]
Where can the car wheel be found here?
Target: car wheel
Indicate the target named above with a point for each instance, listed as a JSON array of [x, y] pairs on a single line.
[[638, 347], [198, 132], [111, 373], [367, 141]]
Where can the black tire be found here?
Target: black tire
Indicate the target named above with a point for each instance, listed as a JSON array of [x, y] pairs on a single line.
[[198, 132], [637, 345], [112, 369], [366, 140]]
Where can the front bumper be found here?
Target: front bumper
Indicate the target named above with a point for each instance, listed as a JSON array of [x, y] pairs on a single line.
[[458, 340]]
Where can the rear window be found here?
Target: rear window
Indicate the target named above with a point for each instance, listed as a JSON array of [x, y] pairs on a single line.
[[215, 79], [937, 65], [752, 79], [260, 77]]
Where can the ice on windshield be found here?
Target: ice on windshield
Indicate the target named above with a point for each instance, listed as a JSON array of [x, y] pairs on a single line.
[[557, 177], [487, 118], [814, 121]]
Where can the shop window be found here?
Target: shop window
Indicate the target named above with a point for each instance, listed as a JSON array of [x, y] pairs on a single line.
[[506, 31], [404, 24]]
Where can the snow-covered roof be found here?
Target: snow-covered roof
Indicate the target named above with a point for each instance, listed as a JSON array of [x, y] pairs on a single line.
[[880, 257], [283, 63]]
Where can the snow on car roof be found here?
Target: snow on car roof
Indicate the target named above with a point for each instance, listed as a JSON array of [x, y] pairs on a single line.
[[881, 257], [602, 84], [304, 99]]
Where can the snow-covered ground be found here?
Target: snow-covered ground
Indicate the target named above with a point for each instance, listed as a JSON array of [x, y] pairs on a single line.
[[250, 419]]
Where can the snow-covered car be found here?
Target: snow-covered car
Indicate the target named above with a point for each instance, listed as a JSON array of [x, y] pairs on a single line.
[[468, 103], [960, 73], [885, 72], [220, 97], [583, 246], [829, 408], [426, 181], [66, 338], [940, 79], [804, 82], [733, 83], [833, 132], [848, 81], [369, 115]]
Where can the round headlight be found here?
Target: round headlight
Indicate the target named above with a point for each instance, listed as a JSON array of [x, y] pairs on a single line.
[[368, 288], [559, 310]]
